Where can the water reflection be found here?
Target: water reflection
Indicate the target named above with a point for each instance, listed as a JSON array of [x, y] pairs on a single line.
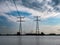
[[19, 40], [29, 40], [37, 40]]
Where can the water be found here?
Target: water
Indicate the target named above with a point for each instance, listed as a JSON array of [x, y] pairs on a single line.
[[29, 40]]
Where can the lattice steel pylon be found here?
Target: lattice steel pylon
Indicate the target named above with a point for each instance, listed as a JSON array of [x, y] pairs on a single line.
[[37, 24], [20, 25]]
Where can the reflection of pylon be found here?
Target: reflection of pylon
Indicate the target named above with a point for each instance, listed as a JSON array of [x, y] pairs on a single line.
[[37, 24], [20, 25]]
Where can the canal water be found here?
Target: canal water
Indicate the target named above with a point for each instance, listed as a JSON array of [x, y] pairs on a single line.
[[29, 40]]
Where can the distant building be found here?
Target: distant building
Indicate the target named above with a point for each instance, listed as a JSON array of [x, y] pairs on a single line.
[[18, 33], [42, 33]]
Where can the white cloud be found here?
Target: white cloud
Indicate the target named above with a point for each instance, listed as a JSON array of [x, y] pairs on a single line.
[[44, 14]]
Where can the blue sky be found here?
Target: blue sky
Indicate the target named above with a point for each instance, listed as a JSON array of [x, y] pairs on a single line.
[[48, 10]]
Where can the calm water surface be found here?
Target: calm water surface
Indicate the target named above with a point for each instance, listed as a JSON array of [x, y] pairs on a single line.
[[29, 40]]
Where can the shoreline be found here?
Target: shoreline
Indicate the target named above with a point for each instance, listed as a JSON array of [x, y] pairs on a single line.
[[28, 35]]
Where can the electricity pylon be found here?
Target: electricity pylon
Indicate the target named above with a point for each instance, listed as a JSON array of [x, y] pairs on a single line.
[[20, 25], [37, 24]]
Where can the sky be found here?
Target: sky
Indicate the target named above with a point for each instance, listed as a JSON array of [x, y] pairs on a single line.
[[48, 10]]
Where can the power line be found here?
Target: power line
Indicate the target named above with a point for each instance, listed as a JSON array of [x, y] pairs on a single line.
[[16, 7], [7, 6], [20, 25]]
